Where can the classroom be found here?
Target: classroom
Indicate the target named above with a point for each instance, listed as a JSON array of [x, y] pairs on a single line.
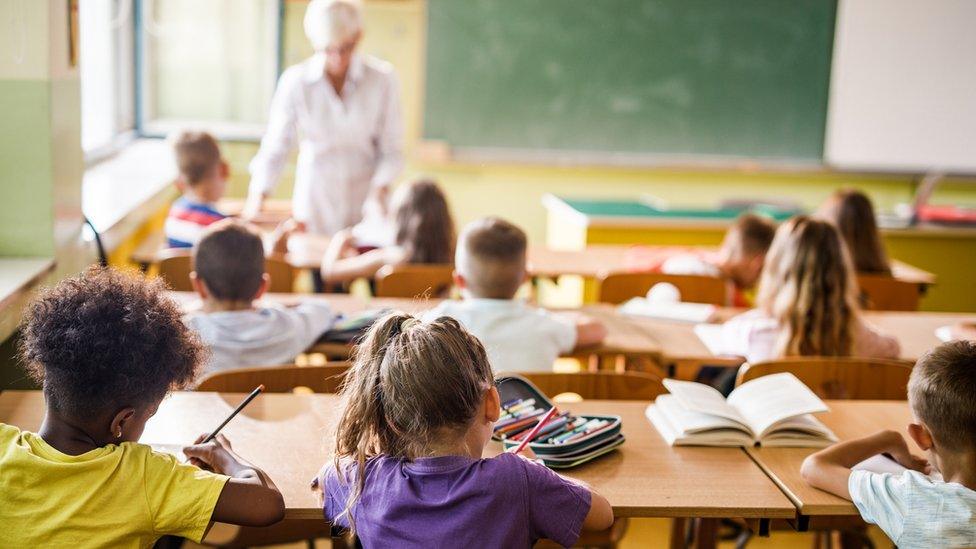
[[487, 273]]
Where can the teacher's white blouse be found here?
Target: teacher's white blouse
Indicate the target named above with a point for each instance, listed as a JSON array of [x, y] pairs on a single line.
[[347, 146]]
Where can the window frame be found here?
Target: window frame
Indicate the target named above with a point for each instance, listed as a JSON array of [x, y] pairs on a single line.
[[124, 110], [146, 126]]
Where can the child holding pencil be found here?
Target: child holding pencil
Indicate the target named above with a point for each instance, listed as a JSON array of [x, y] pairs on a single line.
[[419, 405], [108, 348]]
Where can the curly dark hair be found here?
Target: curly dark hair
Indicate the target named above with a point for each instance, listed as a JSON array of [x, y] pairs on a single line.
[[106, 339]]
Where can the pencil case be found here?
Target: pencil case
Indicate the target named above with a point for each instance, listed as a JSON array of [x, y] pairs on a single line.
[[604, 436]]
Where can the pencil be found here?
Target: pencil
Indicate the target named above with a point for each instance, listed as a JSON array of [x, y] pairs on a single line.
[[532, 433], [237, 410]]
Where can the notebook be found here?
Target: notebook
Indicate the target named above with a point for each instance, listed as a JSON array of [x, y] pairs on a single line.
[[773, 410]]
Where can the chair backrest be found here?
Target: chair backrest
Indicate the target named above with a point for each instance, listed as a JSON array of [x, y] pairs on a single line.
[[598, 385], [839, 377], [887, 293], [175, 265], [414, 280], [619, 287], [277, 379]]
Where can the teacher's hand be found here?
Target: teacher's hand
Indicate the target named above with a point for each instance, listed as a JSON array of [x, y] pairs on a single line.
[[253, 206]]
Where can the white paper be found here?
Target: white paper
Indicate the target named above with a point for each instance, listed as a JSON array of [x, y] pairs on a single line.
[[770, 399], [710, 336], [666, 310]]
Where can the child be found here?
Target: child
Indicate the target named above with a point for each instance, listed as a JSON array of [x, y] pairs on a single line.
[[229, 277], [913, 509], [418, 408], [202, 180], [739, 260], [423, 233], [852, 213], [489, 269], [108, 348], [807, 302]]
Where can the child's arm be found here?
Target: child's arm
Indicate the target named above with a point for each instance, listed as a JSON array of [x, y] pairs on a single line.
[[830, 468], [281, 234], [589, 331], [249, 498], [600, 515], [341, 263]]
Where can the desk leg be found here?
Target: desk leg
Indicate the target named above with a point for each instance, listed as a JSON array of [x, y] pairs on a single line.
[[679, 533], [764, 528], [706, 533]]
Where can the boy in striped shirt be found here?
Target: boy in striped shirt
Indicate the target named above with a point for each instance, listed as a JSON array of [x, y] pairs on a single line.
[[203, 180]]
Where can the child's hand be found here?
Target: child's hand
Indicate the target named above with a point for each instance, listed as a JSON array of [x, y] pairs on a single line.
[[212, 456], [898, 450], [283, 232], [528, 453]]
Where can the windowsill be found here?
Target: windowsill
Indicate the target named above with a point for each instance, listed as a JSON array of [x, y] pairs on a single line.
[[120, 193], [18, 278]]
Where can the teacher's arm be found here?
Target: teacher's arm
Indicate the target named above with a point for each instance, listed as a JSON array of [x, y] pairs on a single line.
[[276, 145], [389, 144]]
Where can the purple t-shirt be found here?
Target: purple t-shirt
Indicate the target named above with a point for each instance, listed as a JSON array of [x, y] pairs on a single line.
[[457, 501]]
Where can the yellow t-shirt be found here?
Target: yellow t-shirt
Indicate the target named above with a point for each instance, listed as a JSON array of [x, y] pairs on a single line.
[[115, 496]]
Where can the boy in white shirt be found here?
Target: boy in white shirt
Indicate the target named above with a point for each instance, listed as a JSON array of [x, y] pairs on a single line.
[[489, 270], [913, 509], [739, 260], [229, 276]]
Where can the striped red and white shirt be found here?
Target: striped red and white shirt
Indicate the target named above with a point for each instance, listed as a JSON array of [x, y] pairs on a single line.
[[187, 221]]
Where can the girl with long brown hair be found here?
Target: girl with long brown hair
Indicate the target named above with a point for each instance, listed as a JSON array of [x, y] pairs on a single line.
[[423, 232], [807, 301], [852, 213], [417, 411]]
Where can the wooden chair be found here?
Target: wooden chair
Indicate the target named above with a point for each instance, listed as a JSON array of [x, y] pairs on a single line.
[[839, 377], [414, 280], [887, 293], [602, 386], [598, 385], [175, 265], [277, 379], [619, 287]]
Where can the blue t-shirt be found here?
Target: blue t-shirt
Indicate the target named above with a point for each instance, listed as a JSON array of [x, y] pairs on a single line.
[[455, 501]]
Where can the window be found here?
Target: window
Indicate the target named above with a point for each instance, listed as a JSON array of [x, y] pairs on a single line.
[[210, 64], [106, 66]]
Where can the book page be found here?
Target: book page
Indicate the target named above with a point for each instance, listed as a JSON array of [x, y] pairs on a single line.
[[767, 400], [704, 399], [689, 422]]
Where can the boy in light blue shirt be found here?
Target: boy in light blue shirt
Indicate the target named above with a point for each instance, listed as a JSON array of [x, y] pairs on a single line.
[[914, 509]]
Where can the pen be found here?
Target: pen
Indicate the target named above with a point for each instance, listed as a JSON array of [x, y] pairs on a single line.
[[545, 419]]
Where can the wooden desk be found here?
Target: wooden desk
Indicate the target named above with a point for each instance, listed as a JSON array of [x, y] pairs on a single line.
[[680, 346], [289, 436], [626, 337], [848, 419], [597, 260]]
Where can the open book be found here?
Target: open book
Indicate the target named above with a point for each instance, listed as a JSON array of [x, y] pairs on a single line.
[[669, 310], [772, 410]]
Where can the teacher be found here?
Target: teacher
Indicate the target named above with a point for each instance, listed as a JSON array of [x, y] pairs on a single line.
[[343, 108]]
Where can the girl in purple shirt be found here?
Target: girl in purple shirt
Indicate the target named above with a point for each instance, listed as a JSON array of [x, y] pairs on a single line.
[[418, 408]]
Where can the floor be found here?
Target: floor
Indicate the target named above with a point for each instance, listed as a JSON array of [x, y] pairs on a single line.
[[644, 533]]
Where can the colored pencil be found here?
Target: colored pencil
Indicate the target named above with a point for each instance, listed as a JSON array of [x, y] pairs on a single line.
[[257, 390], [545, 419], [578, 436]]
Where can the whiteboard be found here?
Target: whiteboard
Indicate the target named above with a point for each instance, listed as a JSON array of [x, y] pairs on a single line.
[[903, 86]]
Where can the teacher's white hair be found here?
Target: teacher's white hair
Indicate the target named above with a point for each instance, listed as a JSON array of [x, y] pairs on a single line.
[[329, 22]]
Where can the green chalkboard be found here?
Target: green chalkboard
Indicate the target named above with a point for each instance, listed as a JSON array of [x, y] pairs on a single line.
[[706, 78]]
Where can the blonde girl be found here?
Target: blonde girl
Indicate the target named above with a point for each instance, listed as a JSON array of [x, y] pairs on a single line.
[[417, 413], [423, 232], [807, 301]]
